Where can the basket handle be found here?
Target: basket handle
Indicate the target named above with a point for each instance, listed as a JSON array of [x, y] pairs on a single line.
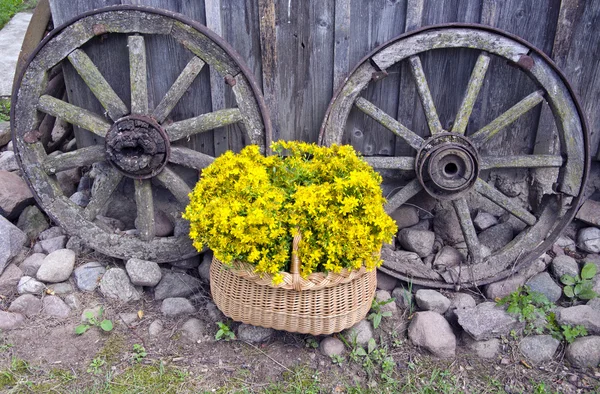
[[295, 268]]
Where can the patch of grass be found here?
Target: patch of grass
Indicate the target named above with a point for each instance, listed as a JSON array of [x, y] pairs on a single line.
[[150, 379], [4, 109], [300, 380], [8, 8], [112, 350]]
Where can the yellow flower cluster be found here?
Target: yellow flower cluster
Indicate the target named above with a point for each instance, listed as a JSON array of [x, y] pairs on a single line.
[[248, 207]]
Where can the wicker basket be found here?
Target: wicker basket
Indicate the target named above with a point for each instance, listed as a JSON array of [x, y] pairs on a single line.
[[320, 304]]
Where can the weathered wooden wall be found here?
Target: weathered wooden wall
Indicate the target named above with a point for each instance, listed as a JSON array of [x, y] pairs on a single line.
[[301, 50]]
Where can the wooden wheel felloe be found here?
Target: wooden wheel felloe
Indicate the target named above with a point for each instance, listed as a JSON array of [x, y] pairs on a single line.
[[138, 145], [453, 166]]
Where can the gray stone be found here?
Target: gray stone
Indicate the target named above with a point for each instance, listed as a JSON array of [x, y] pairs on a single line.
[[72, 301], [10, 321], [81, 198], [155, 328], [53, 244], [543, 283], [8, 161], [32, 222], [431, 300], [362, 331], [496, 237], [61, 288], [483, 349], [538, 265], [14, 195], [163, 226], [565, 243], [68, 180], [254, 334], [447, 257], [458, 301], [57, 266], [77, 245], [115, 284], [9, 280], [193, 330], [32, 263], [589, 212], [404, 298], [539, 348], [143, 272], [54, 306], [130, 319], [88, 275], [331, 346], [176, 284], [424, 224], [187, 264], [581, 314], [588, 239], [418, 241], [594, 303], [564, 265], [51, 232], [213, 312], [27, 304], [447, 226], [432, 332], [386, 282], [486, 321], [584, 352], [28, 285], [508, 186], [405, 216], [382, 296], [176, 306], [12, 240], [204, 267], [109, 224], [484, 220], [504, 287]]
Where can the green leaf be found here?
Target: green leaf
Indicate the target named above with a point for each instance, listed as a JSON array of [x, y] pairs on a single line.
[[88, 315], [387, 314], [106, 325], [567, 280], [80, 329], [376, 320], [568, 290], [577, 289], [588, 271], [371, 345], [219, 334], [513, 309], [587, 294], [360, 351]]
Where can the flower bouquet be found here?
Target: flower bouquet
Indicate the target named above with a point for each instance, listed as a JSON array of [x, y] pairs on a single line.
[[300, 228]]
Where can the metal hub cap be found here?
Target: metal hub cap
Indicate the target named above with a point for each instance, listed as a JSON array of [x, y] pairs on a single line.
[[447, 166], [137, 146]]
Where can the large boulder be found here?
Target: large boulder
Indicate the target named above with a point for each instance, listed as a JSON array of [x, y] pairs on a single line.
[[11, 240], [539, 348], [418, 241], [588, 239], [57, 266], [432, 332], [543, 283], [431, 300], [176, 284], [486, 321], [88, 275], [14, 195], [584, 352], [32, 222], [115, 284], [583, 315], [143, 272]]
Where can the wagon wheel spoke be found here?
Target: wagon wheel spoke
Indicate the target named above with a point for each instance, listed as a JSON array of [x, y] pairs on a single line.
[[190, 158], [179, 87], [137, 74], [79, 158], [508, 117], [144, 202], [521, 161], [103, 187], [203, 123], [177, 186], [395, 163], [97, 84], [503, 201], [74, 115], [389, 123], [405, 194], [473, 88], [468, 229], [425, 95]]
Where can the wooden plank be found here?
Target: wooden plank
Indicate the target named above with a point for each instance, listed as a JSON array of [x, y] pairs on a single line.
[[144, 202], [106, 181], [406, 193], [190, 158], [468, 230], [341, 46], [268, 46], [217, 85], [177, 186], [433, 121], [506, 203], [523, 161], [79, 158], [74, 115], [392, 163], [137, 74], [251, 116], [95, 81], [473, 88], [202, 123]]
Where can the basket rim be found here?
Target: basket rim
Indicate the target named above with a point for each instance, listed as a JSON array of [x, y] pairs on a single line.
[[314, 281]]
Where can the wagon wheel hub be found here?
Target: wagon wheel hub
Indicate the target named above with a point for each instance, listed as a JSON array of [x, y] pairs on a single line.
[[137, 146], [447, 166]]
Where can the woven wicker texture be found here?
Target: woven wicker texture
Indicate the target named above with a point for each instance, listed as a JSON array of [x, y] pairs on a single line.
[[328, 309]]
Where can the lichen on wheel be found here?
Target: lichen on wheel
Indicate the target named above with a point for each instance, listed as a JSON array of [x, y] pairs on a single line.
[[454, 165], [137, 144]]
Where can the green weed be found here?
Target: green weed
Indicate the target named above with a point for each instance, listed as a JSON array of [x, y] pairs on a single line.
[[94, 321], [224, 332], [580, 286]]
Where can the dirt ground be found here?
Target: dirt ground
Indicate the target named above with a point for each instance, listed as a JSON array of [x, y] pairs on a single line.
[[47, 356]]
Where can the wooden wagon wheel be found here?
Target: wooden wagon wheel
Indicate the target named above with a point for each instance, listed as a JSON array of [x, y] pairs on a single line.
[[136, 143], [451, 165]]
